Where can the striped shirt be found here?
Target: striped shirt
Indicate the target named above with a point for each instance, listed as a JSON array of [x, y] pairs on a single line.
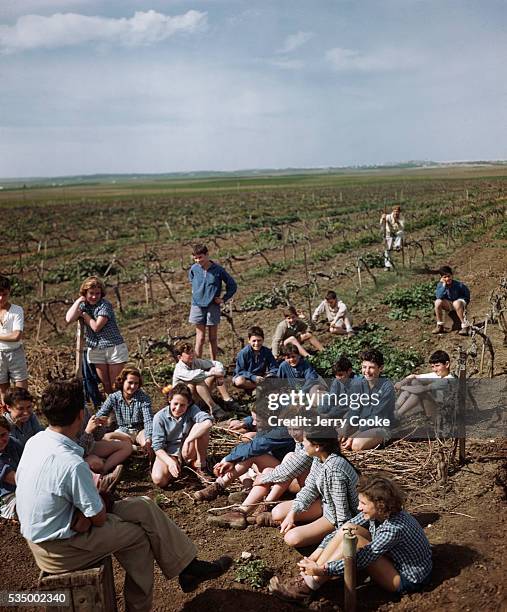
[[109, 335], [334, 482], [134, 415], [400, 537], [292, 466]]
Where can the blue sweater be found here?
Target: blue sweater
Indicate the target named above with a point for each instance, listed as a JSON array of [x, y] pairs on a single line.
[[456, 291], [207, 284], [303, 370], [382, 405], [251, 364], [9, 460], [277, 441]]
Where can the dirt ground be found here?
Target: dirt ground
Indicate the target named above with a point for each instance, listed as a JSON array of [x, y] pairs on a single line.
[[465, 521]]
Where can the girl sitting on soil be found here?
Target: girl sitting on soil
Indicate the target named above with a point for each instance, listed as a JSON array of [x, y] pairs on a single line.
[[132, 409], [394, 549], [269, 486], [106, 347], [180, 434], [329, 497]]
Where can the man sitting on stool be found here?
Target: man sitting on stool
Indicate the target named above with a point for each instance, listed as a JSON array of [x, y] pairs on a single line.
[[65, 520]]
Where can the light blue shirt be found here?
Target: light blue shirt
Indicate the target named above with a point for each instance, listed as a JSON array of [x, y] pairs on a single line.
[[52, 481], [169, 433]]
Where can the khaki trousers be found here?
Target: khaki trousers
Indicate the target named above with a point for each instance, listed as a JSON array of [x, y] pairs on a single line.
[[136, 533]]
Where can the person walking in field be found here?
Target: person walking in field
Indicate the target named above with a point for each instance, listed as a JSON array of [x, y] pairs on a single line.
[[393, 225], [13, 366], [106, 348], [206, 278]]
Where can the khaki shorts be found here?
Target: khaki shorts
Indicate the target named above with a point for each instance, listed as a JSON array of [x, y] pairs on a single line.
[[108, 355], [13, 366]]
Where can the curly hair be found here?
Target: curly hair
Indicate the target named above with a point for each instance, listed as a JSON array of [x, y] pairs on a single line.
[[387, 496], [122, 377], [92, 282], [62, 400], [13, 395]]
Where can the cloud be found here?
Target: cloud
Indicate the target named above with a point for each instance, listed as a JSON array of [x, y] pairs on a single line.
[[70, 29], [385, 60], [287, 64], [294, 41]]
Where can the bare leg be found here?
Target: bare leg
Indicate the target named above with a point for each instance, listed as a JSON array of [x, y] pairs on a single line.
[[114, 371], [460, 311], [202, 390], [213, 341], [113, 451], [311, 533], [160, 473], [200, 335], [197, 452], [103, 374], [440, 306], [369, 439], [244, 383], [293, 340], [313, 341]]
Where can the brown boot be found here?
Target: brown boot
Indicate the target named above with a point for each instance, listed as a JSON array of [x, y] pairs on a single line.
[[265, 519], [292, 590], [210, 492], [233, 520], [108, 482], [439, 329]]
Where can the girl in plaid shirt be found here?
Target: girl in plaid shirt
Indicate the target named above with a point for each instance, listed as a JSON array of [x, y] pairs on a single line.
[[393, 548], [107, 350], [328, 498]]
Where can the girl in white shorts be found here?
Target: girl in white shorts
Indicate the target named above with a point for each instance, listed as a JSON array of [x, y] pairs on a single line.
[[106, 347]]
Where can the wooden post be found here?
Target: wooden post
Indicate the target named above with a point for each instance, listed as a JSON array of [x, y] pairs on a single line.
[[483, 345], [349, 557], [359, 275], [78, 372], [460, 404], [307, 274]]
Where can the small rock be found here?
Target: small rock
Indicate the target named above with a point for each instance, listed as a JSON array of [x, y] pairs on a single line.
[[246, 555]]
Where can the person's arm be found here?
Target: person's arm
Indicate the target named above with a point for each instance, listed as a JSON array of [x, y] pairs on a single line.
[[342, 310], [187, 375], [271, 363], [8, 475], [309, 493], [107, 406], [82, 493], [440, 291], [386, 538], [14, 336], [75, 311], [318, 311], [198, 430], [290, 468], [241, 368], [99, 519], [94, 324], [147, 417], [230, 285]]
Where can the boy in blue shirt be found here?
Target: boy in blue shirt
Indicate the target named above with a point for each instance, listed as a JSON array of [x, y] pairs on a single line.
[[206, 278], [451, 295], [19, 405], [254, 362]]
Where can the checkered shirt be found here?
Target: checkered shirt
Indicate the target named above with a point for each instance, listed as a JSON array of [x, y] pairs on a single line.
[[136, 415], [109, 335], [292, 466], [400, 537], [334, 481]]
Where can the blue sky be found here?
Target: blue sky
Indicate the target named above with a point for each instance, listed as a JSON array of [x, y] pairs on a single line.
[[135, 86]]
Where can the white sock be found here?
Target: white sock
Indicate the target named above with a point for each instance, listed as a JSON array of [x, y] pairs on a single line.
[[220, 481], [439, 323]]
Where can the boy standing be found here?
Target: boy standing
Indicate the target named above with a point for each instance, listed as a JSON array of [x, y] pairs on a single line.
[[451, 295], [393, 225], [336, 313], [292, 330], [206, 278], [254, 362], [12, 354]]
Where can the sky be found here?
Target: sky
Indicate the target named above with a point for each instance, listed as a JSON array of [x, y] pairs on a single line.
[[124, 86]]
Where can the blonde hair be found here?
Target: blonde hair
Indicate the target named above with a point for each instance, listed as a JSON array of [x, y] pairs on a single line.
[[92, 282]]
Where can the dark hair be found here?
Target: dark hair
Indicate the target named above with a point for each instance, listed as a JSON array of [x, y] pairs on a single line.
[[373, 355], [445, 270], [290, 349], [182, 347], [290, 311], [17, 394], [255, 330], [5, 423], [439, 357], [181, 389], [387, 496], [5, 283], [325, 437], [342, 365], [122, 377], [62, 400], [331, 295], [199, 249]]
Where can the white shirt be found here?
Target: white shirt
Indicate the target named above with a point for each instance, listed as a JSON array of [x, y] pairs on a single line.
[[331, 313], [13, 321], [52, 481]]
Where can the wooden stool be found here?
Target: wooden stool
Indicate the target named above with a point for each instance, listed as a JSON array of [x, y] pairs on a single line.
[[89, 590]]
